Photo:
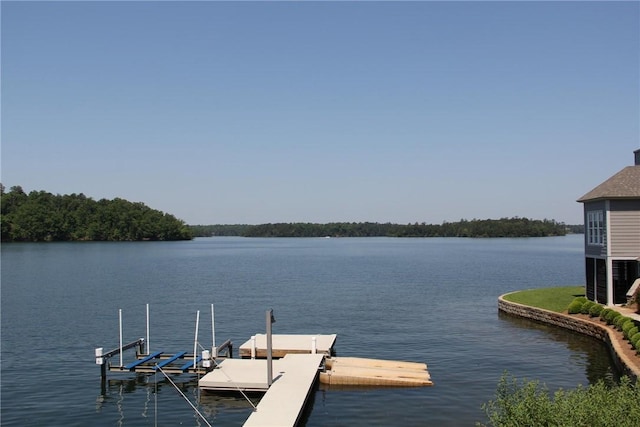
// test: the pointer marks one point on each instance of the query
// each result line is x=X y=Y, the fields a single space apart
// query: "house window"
x=595 y=228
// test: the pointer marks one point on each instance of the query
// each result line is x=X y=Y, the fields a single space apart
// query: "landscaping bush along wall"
x=575 y=324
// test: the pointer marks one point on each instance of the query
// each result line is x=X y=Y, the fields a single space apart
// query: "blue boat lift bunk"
x=182 y=362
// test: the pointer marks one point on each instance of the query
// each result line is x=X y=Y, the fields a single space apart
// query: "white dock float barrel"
x=99 y=358
x=206 y=358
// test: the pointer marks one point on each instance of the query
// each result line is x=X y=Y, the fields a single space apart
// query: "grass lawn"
x=553 y=299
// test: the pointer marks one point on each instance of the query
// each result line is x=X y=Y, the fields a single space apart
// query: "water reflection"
x=586 y=351
x=209 y=404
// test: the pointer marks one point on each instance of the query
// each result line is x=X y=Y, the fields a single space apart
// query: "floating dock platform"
x=288 y=344
x=375 y=372
x=293 y=379
x=294 y=372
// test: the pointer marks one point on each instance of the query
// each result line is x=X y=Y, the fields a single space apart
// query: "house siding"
x=595 y=250
x=625 y=228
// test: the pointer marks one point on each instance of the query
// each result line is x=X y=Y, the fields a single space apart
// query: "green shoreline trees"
x=504 y=227
x=41 y=216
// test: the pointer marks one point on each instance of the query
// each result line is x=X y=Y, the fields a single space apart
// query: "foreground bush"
x=604 y=313
x=612 y=316
x=527 y=403
x=635 y=340
x=575 y=307
x=581 y=300
x=586 y=306
x=628 y=326
x=595 y=310
x=621 y=321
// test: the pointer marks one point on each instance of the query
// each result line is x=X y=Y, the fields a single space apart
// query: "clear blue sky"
x=254 y=112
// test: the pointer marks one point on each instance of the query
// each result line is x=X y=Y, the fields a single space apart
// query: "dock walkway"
x=282 y=405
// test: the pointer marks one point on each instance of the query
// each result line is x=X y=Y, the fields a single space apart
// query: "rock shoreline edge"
x=626 y=365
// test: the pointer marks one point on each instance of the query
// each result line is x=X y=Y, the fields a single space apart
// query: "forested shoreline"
x=504 y=227
x=40 y=216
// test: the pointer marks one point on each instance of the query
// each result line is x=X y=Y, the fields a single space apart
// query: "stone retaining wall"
x=582 y=326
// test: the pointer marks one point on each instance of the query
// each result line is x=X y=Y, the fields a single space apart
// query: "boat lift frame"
x=147 y=362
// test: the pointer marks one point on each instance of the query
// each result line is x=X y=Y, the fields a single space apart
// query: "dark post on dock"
x=270 y=321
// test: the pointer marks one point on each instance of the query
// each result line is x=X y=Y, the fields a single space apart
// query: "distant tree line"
x=575 y=229
x=504 y=227
x=219 y=230
x=42 y=216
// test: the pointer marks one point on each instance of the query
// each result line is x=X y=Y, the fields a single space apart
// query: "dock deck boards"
x=289 y=344
x=282 y=404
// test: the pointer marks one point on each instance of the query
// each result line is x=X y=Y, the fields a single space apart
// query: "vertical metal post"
x=253 y=347
x=269 y=348
x=195 y=341
x=214 y=348
x=148 y=346
x=120 y=327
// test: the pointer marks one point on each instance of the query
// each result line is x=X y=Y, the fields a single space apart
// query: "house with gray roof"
x=612 y=236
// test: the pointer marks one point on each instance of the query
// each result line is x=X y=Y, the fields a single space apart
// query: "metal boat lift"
x=182 y=362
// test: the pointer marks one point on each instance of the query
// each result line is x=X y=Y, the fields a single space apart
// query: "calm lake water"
x=427 y=300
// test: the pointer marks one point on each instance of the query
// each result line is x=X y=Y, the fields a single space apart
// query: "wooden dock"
x=375 y=372
x=289 y=344
x=282 y=405
x=284 y=367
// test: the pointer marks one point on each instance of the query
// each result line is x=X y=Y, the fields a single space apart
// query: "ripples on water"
x=429 y=300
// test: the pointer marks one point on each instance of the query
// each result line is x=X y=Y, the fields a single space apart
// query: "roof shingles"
x=623 y=185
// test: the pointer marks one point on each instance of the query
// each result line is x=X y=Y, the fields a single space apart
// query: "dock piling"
x=214 y=348
x=270 y=321
x=120 y=325
x=148 y=345
x=195 y=341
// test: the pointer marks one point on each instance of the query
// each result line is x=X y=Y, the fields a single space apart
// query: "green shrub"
x=635 y=340
x=612 y=316
x=595 y=310
x=604 y=313
x=527 y=403
x=586 y=306
x=582 y=300
x=631 y=332
x=620 y=321
x=575 y=307
x=627 y=326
